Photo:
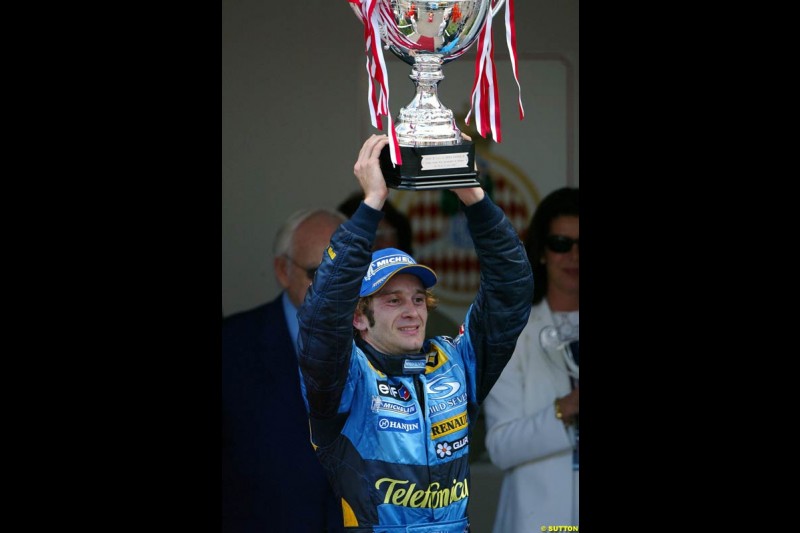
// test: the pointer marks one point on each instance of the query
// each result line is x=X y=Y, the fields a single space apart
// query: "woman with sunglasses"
x=532 y=411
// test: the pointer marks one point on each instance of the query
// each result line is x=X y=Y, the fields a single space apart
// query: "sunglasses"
x=560 y=244
x=309 y=271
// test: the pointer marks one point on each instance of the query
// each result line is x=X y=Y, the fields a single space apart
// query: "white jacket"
x=527 y=441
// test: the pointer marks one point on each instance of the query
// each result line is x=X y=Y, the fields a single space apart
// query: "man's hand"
x=470 y=195
x=368 y=171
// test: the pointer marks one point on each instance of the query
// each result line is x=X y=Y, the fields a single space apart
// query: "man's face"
x=310 y=240
x=400 y=316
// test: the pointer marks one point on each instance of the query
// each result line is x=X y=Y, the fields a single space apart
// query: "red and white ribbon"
x=511 y=41
x=485 y=99
x=376 y=69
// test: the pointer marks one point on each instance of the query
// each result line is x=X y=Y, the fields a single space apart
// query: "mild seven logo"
x=443 y=386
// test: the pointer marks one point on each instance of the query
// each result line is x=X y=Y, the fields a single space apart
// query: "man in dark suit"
x=271 y=479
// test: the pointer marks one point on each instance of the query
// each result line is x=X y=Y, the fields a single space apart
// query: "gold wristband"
x=559 y=414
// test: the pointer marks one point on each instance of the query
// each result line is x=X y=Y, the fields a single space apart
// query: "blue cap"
x=388 y=262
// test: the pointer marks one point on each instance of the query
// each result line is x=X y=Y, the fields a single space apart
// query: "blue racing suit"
x=393 y=431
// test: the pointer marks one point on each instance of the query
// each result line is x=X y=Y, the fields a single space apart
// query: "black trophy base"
x=431 y=167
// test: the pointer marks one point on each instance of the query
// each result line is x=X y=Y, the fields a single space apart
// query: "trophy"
x=556 y=347
x=426 y=149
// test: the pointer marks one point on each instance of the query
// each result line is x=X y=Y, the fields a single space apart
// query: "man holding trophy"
x=389 y=410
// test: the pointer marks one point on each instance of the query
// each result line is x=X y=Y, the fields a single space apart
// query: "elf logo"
x=398 y=392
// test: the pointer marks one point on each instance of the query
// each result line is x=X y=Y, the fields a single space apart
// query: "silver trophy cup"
x=426 y=35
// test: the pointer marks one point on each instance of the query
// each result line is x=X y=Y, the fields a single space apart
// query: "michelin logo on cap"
x=380 y=264
x=388 y=262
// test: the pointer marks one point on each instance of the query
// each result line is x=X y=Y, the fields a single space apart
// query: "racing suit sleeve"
x=325 y=338
x=501 y=307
